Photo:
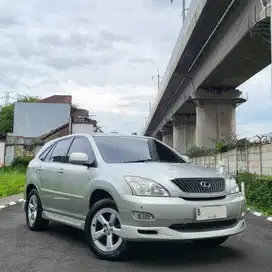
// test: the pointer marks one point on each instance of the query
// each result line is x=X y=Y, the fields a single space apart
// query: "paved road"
x=62 y=248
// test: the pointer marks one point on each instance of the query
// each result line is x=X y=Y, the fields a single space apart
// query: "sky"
x=104 y=53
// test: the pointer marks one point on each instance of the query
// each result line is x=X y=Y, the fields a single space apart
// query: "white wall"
x=255 y=159
x=36 y=119
x=2 y=153
x=82 y=128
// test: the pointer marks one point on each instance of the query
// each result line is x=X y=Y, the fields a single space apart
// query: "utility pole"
x=158 y=78
x=183 y=9
x=7 y=98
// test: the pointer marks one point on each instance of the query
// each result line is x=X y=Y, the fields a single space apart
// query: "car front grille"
x=200 y=185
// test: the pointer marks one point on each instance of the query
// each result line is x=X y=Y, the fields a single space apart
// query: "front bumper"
x=175 y=218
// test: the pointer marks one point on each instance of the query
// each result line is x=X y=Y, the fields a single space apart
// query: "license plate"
x=208 y=213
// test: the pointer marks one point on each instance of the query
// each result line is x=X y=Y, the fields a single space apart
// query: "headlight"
x=145 y=187
x=231 y=184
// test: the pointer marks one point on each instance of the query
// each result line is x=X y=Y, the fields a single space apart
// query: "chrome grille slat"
x=217 y=185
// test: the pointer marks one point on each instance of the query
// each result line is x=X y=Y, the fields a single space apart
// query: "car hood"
x=165 y=171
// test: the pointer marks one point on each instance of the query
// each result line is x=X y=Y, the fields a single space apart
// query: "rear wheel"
x=34 y=212
x=102 y=229
x=211 y=242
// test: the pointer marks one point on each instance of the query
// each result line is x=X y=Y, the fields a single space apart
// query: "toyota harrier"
x=122 y=188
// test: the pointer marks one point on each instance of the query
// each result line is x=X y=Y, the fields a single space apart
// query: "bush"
x=221 y=147
x=21 y=162
x=196 y=151
x=258 y=191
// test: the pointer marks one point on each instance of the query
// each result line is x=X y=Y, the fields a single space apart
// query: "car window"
x=44 y=154
x=81 y=145
x=60 y=150
x=49 y=154
x=134 y=149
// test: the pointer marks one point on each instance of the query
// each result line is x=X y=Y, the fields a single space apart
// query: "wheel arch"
x=29 y=188
x=99 y=194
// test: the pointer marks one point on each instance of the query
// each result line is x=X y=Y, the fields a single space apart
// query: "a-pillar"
x=184 y=132
x=215 y=115
x=167 y=136
x=159 y=136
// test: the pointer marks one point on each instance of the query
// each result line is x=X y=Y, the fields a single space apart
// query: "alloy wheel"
x=105 y=230
x=32 y=210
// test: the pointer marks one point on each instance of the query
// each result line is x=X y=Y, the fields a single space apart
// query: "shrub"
x=195 y=151
x=21 y=162
x=221 y=147
x=258 y=191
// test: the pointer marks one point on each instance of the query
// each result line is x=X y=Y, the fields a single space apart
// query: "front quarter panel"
x=114 y=186
x=32 y=178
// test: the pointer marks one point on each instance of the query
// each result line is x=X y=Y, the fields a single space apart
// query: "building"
x=52 y=117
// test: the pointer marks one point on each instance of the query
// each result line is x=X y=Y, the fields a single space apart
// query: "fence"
x=255 y=159
x=20 y=146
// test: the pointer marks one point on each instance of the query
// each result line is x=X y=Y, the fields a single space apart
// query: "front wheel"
x=211 y=242
x=34 y=212
x=102 y=229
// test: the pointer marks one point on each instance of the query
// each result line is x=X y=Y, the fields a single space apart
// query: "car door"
x=50 y=175
x=45 y=185
x=75 y=180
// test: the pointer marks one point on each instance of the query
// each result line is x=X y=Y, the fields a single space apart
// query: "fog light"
x=143 y=216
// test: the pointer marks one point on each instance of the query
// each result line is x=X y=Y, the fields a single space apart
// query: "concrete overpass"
x=221 y=45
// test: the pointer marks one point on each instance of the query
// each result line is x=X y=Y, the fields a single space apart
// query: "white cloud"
x=102 y=52
x=252 y=129
x=255 y=115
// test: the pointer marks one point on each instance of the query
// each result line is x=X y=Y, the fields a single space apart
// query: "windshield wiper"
x=143 y=160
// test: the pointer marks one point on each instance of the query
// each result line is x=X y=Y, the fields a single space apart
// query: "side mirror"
x=79 y=158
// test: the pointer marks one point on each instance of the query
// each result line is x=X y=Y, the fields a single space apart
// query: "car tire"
x=34 y=211
x=211 y=242
x=114 y=250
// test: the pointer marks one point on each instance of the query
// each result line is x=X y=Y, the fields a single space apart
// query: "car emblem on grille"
x=205 y=184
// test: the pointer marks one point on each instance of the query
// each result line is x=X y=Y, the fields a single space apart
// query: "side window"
x=44 y=154
x=49 y=154
x=60 y=150
x=166 y=154
x=81 y=145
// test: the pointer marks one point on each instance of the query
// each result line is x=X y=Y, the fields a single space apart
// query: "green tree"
x=7 y=113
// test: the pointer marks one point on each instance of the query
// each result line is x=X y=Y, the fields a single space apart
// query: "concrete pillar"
x=184 y=132
x=215 y=115
x=167 y=136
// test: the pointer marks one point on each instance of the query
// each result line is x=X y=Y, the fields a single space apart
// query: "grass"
x=12 y=181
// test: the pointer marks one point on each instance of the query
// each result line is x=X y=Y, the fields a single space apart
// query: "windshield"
x=134 y=149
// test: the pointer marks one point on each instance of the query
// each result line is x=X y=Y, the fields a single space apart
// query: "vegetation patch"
x=12 y=181
x=222 y=146
x=258 y=191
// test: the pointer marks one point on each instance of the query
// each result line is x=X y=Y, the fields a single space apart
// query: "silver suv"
x=121 y=188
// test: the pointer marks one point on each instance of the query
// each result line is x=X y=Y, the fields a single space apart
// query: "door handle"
x=61 y=171
x=39 y=169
